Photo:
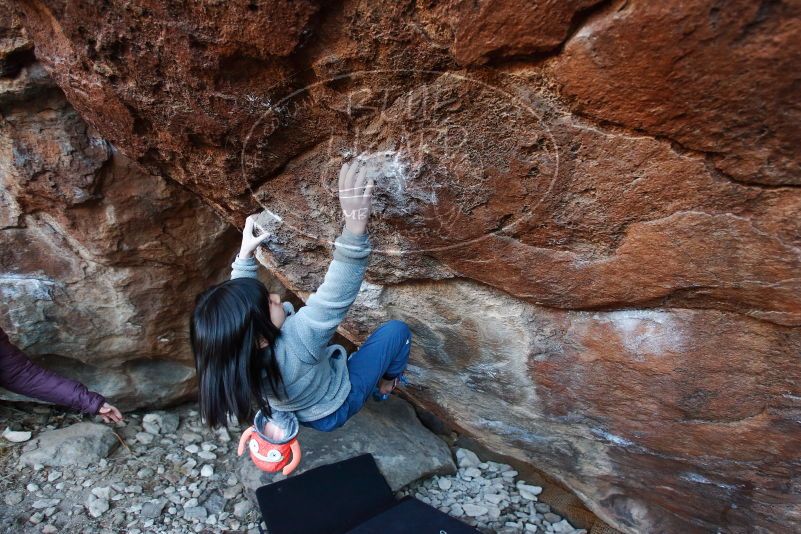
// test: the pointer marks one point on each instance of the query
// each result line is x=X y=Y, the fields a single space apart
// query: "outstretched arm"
x=21 y=375
x=315 y=323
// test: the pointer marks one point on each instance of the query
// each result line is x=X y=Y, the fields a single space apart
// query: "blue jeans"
x=383 y=354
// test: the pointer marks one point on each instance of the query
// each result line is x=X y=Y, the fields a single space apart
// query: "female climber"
x=252 y=350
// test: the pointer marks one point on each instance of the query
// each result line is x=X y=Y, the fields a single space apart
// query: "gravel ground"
x=487 y=496
x=172 y=475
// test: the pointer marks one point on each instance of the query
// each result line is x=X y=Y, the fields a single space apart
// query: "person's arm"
x=21 y=375
x=315 y=323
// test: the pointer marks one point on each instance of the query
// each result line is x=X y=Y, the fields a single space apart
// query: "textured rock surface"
x=100 y=260
x=81 y=444
x=590 y=218
x=403 y=448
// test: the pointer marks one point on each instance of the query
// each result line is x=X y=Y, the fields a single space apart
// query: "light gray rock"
x=80 y=444
x=242 y=508
x=145 y=438
x=232 y=491
x=145 y=472
x=41 y=504
x=191 y=437
x=474 y=510
x=215 y=503
x=151 y=422
x=102 y=492
x=528 y=492
x=13 y=498
x=542 y=508
x=562 y=527
x=96 y=506
x=153 y=509
x=472 y=472
x=404 y=449
x=551 y=517
x=466 y=458
x=197 y=513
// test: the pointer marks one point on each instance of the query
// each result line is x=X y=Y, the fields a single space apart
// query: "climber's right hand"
x=355 y=194
x=250 y=241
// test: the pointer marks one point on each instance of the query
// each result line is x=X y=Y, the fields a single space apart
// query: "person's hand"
x=109 y=413
x=355 y=194
x=250 y=241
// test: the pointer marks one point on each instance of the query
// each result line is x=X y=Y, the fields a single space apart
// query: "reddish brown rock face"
x=588 y=211
x=100 y=260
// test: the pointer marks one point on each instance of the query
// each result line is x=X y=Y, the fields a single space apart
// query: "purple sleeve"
x=21 y=375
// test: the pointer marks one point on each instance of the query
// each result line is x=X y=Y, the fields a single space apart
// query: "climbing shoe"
x=377 y=395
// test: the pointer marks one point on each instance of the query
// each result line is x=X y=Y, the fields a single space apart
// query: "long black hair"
x=229 y=321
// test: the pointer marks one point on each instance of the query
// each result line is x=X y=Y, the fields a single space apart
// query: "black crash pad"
x=330 y=499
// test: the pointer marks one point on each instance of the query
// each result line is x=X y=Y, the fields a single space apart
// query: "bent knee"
x=399 y=327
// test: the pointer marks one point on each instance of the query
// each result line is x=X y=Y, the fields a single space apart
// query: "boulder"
x=100 y=260
x=588 y=213
x=81 y=444
x=403 y=448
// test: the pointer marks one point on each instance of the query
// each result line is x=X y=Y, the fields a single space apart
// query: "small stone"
x=102 y=493
x=31 y=487
x=222 y=435
x=206 y=455
x=215 y=504
x=206 y=446
x=153 y=509
x=49 y=529
x=466 y=458
x=192 y=448
x=542 y=508
x=145 y=473
x=151 y=422
x=41 y=504
x=206 y=471
x=13 y=498
x=457 y=510
x=144 y=438
x=494 y=498
x=18 y=436
x=562 y=527
x=528 y=492
x=242 y=508
x=36 y=518
x=96 y=507
x=444 y=484
x=472 y=472
x=531 y=528
x=474 y=510
x=197 y=513
x=53 y=476
x=551 y=517
x=133 y=489
x=232 y=491
x=191 y=437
